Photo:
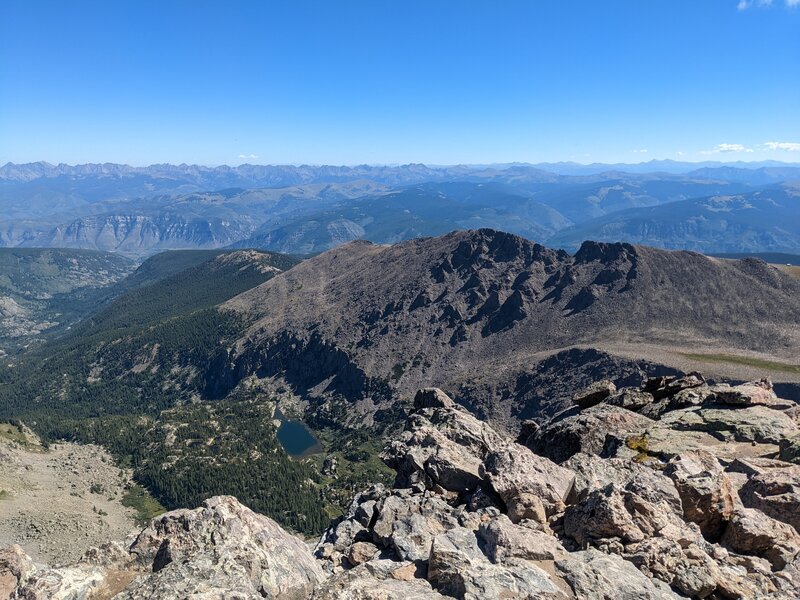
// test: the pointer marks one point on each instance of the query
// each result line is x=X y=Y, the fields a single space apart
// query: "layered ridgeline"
x=670 y=489
x=757 y=221
x=189 y=379
x=141 y=211
x=42 y=292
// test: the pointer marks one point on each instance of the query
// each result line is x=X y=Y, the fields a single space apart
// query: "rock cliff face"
x=671 y=489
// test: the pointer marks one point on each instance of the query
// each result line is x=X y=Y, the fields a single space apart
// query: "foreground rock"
x=639 y=507
x=221 y=550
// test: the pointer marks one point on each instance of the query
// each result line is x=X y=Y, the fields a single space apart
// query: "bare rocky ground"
x=59 y=502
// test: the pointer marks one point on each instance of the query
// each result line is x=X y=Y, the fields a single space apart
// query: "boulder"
x=630 y=398
x=15 y=568
x=749 y=394
x=756 y=465
x=592 y=574
x=685 y=567
x=750 y=424
x=775 y=492
x=752 y=532
x=602 y=515
x=407 y=524
x=594 y=393
x=74 y=581
x=586 y=431
x=663 y=442
x=361 y=552
x=593 y=472
x=691 y=396
x=458 y=568
x=531 y=486
x=432 y=398
x=502 y=540
x=706 y=493
x=624 y=516
x=377 y=580
x=223 y=546
x=441 y=448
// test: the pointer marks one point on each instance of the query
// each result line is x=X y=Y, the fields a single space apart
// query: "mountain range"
x=141 y=211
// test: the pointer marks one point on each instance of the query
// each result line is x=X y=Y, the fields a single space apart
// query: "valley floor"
x=57 y=503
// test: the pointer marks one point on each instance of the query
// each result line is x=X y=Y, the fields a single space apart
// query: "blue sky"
x=379 y=81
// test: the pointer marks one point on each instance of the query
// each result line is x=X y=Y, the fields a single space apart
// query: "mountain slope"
x=761 y=221
x=484 y=307
x=141 y=226
x=425 y=210
x=42 y=291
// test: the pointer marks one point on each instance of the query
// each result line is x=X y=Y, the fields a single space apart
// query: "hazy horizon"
x=428 y=165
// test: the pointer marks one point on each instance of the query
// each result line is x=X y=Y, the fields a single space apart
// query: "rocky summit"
x=676 y=488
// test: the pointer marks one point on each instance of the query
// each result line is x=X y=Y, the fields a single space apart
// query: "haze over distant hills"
x=137 y=211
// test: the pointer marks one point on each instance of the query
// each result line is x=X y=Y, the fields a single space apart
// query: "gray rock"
x=406 y=525
x=602 y=515
x=661 y=441
x=361 y=552
x=458 y=568
x=775 y=492
x=15 y=568
x=78 y=582
x=531 y=486
x=753 y=532
x=593 y=472
x=749 y=394
x=586 y=431
x=630 y=398
x=432 y=398
x=625 y=516
x=661 y=387
x=750 y=424
x=377 y=580
x=502 y=540
x=691 y=396
x=594 y=393
x=706 y=493
x=223 y=546
x=686 y=567
x=441 y=447
x=596 y=576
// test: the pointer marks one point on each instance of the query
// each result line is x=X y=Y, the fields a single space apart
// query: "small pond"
x=295 y=437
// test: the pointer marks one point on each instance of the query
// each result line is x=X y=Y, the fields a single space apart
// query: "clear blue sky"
x=379 y=81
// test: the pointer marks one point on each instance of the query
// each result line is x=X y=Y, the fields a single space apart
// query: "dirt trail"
x=57 y=503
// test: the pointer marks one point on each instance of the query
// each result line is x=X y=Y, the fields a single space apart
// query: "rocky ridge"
x=676 y=488
x=481 y=314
